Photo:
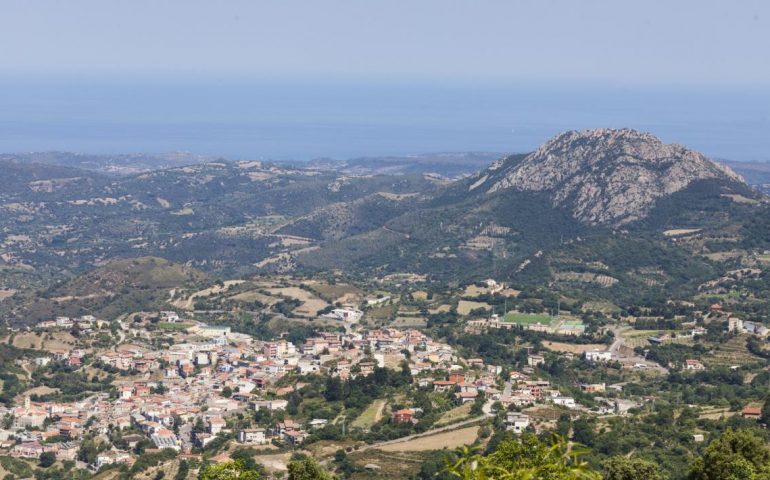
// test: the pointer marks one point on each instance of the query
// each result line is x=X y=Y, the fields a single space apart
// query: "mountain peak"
x=606 y=176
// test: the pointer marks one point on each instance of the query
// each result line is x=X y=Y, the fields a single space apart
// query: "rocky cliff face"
x=604 y=176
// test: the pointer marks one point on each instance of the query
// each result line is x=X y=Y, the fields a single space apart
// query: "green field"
x=173 y=326
x=527 y=319
x=369 y=416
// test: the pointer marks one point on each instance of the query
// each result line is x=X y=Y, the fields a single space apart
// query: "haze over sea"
x=312 y=118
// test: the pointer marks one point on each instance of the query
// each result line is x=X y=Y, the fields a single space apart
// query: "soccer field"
x=528 y=319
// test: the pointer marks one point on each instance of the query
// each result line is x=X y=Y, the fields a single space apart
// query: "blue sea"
x=306 y=118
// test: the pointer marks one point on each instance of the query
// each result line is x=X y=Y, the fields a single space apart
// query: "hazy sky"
x=695 y=42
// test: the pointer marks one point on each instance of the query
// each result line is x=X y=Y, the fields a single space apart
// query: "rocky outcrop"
x=605 y=176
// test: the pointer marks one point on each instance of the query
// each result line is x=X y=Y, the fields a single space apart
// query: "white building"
x=516 y=422
x=598 y=355
x=254 y=436
x=568 y=402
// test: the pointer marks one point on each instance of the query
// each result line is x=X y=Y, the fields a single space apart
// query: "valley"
x=156 y=324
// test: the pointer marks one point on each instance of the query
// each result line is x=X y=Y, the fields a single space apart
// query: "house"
x=516 y=422
x=593 y=387
x=318 y=423
x=201 y=439
x=165 y=439
x=752 y=412
x=467 y=396
x=692 y=364
x=734 y=324
x=405 y=415
x=346 y=314
x=272 y=405
x=28 y=450
x=535 y=360
x=598 y=355
x=755 y=328
x=111 y=457
x=568 y=402
x=443 y=385
x=254 y=436
x=216 y=425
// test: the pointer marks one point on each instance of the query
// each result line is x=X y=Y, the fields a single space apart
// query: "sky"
x=651 y=42
x=301 y=79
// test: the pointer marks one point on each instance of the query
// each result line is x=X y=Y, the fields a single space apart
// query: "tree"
x=766 y=412
x=333 y=390
x=622 y=468
x=308 y=469
x=583 y=431
x=227 y=392
x=735 y=455
x=234 y=470
x=47 y=459
x=246 y=457
x=524 y=458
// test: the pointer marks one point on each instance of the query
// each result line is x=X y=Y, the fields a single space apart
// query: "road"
x=615 y=350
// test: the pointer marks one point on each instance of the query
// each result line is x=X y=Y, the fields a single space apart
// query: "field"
x=527 y=319
x=680 y=231
x=449 y=440
x=339 y=292
x=389 y=465
x=464 y=307
x=415 y=322
x=59 y=340
x=732 y=352
x=189 y=302
x=454 y=415
x=252 y=296
x=173 y=326
x=605 y=307
x=310 y=303
x=371 y=415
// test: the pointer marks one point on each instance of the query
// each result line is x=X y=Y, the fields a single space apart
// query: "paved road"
x=508 y=390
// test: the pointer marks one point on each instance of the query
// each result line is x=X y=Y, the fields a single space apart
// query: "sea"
x=303 y=118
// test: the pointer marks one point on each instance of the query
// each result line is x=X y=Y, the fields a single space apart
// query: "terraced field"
x=732 y=352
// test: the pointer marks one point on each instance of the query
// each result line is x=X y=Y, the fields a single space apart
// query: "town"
x=130 y=394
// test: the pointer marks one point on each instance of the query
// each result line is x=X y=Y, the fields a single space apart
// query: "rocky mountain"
x=604 y=176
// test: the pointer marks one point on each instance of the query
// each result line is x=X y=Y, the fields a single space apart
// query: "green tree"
x=735 y=455
x=234 y=470
x=525 y=458
x=766 y=412
x=47 y=459
x=308 y=469
x=622 y=468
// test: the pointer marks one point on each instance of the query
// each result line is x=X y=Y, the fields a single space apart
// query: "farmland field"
x=371 y=415
x=464 y=307
x=450 y=439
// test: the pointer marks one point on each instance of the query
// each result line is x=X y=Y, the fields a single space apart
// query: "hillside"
x=116 y=288
x=615 y=209
x=553 y=217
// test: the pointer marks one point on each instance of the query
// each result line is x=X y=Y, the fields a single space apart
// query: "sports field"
x=528 y=319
